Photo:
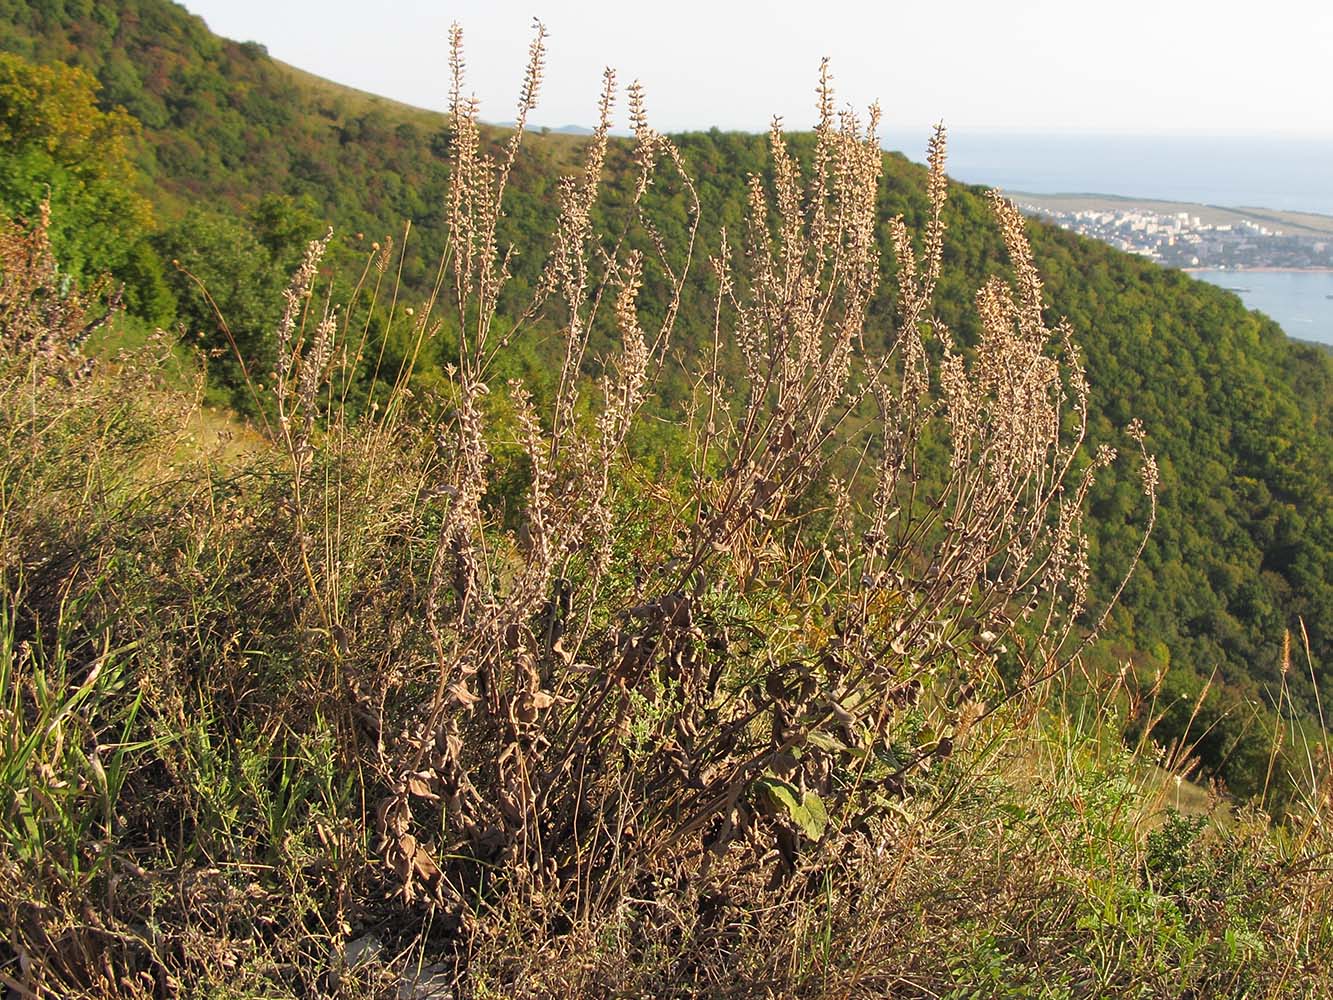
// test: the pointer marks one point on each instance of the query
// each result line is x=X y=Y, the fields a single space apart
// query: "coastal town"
x=1190 y=239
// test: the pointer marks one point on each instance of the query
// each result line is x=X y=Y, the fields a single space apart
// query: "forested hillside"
x=243 y=159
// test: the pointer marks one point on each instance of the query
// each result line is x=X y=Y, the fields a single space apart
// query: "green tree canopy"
x=56 y=142
x=228 y=290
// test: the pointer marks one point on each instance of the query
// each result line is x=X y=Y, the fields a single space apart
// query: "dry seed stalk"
x=549 y=741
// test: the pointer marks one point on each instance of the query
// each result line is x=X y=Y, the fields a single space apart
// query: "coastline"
x=1300 y=300
x=1262 y=270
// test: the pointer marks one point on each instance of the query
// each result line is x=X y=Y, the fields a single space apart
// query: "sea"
x=1300 y=301
x=1233 y=171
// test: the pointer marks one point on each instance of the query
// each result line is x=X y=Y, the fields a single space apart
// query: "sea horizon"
x=1283 y=173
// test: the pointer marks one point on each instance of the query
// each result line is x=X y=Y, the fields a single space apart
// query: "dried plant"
x=42 y=312
x=578 y=732
x=486 y=647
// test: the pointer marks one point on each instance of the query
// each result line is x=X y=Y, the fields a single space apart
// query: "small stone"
x=364 y=949
x=430 y=982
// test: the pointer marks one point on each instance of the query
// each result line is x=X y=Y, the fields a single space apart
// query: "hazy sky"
x=1038 y=65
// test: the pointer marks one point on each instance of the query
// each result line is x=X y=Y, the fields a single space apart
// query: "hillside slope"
x=1238 y=414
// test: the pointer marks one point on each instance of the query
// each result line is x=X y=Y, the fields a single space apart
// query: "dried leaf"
x=558 y=648
x=459 y=693
x=420 y=787
x=525 y=708
x=542 y=700
x=425 y=865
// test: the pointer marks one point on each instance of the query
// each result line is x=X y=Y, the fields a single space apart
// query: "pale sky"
x=1139 y=66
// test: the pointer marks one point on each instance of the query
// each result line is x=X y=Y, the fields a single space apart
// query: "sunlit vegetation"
x=716 y=563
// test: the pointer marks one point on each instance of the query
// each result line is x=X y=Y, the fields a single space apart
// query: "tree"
x=225 y=283
x=54 y=140
x=284 y=225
